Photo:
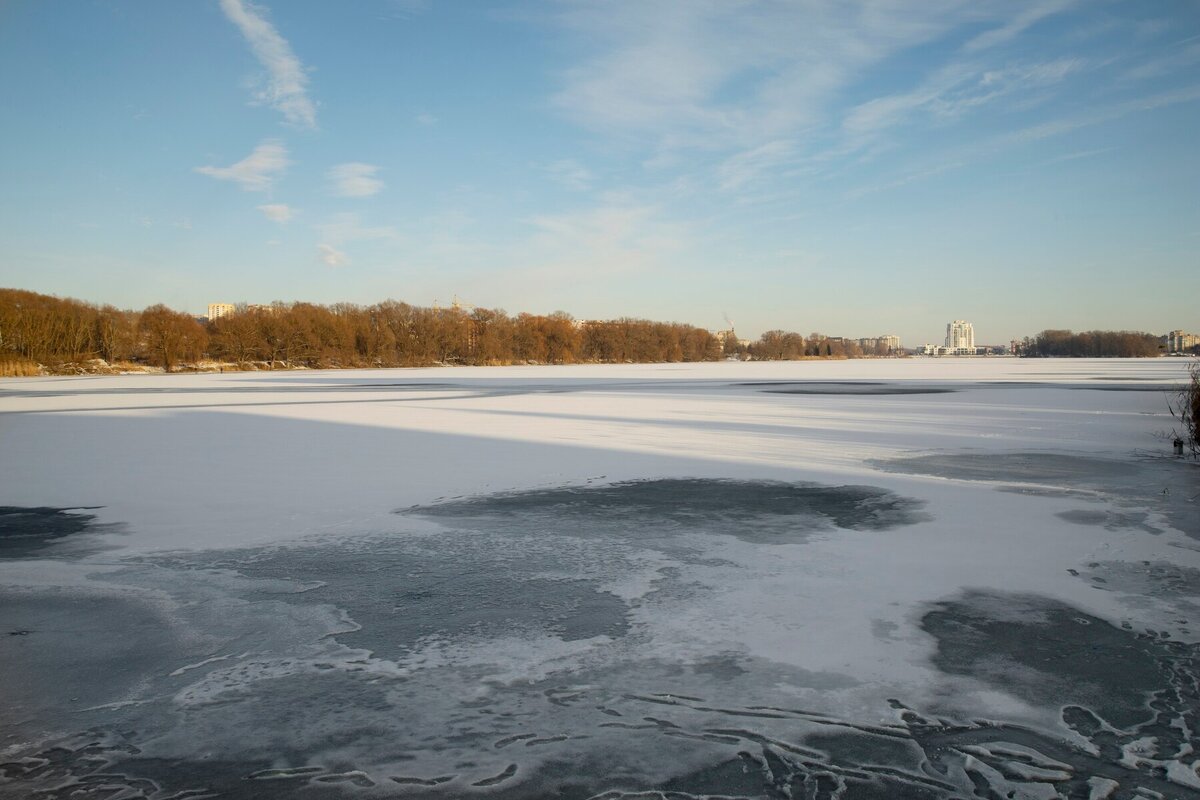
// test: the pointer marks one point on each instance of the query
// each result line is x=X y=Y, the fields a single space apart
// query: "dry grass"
x=17 y=367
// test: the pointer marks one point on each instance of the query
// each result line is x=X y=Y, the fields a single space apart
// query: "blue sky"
x=855 y=168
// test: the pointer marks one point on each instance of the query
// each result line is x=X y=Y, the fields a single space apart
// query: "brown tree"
x=170 y=336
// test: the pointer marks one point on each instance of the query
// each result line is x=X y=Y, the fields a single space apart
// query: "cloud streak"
x=331 y=256
x=959 y=157
x=287 y=82
x=711 y=74
x=953 y=91
x=344 y=228
x=277 y=212
x=612 y=237
x=257 y=171
x=749 y=165
x=571 y=174
x=1018 y=24
x=355 y=179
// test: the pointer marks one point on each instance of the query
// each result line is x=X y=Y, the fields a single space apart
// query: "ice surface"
x=895 y=578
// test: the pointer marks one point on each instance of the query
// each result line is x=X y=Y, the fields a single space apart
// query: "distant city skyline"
x=854 y=168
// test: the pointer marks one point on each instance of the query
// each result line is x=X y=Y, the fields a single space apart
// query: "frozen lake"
x=860 y=579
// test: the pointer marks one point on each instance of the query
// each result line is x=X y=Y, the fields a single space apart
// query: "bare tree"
x=170 y=336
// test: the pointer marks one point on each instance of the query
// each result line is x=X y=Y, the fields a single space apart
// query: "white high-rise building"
x=218 y=310
x=1180 y=342
x=960 y=335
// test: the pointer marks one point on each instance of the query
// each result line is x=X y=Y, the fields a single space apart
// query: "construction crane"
x=456 y=304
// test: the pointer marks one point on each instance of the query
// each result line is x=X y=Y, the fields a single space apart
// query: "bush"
x=1186 y=409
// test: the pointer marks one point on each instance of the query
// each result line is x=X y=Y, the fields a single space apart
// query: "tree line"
x=780 y=345
x=58 y=332
x=1090 y=344
x=54 y=331
x=396 y=334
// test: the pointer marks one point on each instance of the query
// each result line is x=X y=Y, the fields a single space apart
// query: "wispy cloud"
x=407 y=9
x=712 y=74
x=331 y=256
x=277 y=212
x=425 y=118
x=570 y=173
x=748 y=165
x=989 y=147
x=1018 y=24
x=1076 y=156
x=342 y=228
x=287 y=82
x=760 y=83
x=355 y=179
x=614 y=236
x=1181 y=56
x=954 y=90
x=257 y=171
x=1057 y=127
x=904 y=180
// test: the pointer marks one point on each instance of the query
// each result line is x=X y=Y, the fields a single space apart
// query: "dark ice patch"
x=733 y=777
x=87 y=648
x=1083 y=516
x=865 y=391
x=308 y=713
x=95 y=771
x=483 y=605
x=1119 y=388
x=26 y=532
x=1046 y=491
x=1151 y=578
x=870 y=388
x=1046 y=653
x=399 y=593
x=862 y=748
x=758 y=511
x=1165 y=486
x=1052 y=468
x=1120 y=378
x=1110 y=520
x=723 y=667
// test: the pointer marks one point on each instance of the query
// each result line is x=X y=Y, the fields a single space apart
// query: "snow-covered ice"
x=876 y=578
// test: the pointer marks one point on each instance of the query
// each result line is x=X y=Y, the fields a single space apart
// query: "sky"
x=850 y=167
